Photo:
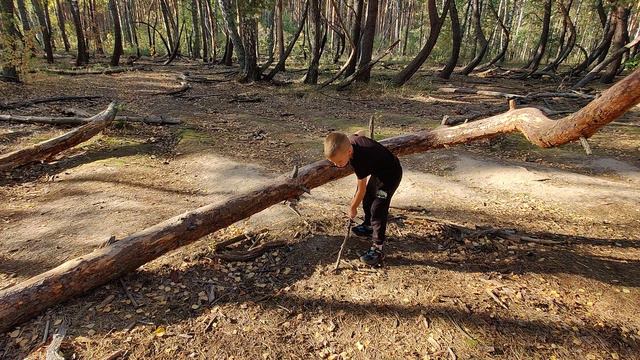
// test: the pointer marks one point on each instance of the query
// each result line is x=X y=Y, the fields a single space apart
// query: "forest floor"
x=448 y=289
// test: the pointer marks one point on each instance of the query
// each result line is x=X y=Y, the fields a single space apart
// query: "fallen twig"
x=114 y=355
x=489 y=292
x=126 y=291
x=344 y=242
x=250 y=254
x=52 y=349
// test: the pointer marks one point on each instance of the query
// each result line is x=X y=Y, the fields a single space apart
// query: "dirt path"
x=577 y=299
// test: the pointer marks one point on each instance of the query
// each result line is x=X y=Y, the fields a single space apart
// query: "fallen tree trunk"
x=532 y=96
x=74 y=277
x=152 y=119
x=108 y=71
x=46 y=149
x=19 y=104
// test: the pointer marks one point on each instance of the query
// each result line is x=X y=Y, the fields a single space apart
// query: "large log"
x=75 y=120
x=46 y=149
x=77 y=276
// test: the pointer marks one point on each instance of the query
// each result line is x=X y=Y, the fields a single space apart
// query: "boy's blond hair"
x=335 y=142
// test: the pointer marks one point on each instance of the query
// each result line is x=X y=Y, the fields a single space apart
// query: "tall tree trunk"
x=435 y=25
x=228 y=52
x=311 y=76
x=95 y=30
x=195 y=29
x=213 y=28
x=482 y=40
x=355 y=35
x=83 y=57
x=168 y=25
x=61 y=25
x=407 y=26
x=504 y=41
x=544 y=37
x=202 y=12
x=47 y=19
x=44 y=29
x=456 y=37
x=228 y=9
x=620 y=36
x=8 y=27
x=280 y=31
x=368 y=35
x=117 y=33
x=281 y=61
x=251 y=71
x=24 y=16
x=131 y=16
x=270 y=21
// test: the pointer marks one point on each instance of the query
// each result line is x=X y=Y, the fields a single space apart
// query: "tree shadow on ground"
x=168 y=296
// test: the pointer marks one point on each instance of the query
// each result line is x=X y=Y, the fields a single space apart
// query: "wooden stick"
x=344 y=242
x=126 y=291
x=371 y=127
x=489 y=292
x=52 y=349
x=250 y=254
x=585 y=145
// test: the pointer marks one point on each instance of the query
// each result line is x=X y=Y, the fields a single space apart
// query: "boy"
x=367 y=157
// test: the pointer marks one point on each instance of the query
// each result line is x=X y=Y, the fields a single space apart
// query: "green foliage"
x=633 y=64
x=253 y=8
x=15 y=53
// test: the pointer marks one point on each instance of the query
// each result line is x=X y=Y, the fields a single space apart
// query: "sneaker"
x=362 y=230
x=372 y=257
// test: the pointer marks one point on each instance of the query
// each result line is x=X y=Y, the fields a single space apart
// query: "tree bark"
x=368 y=35
x=355 y=36
x=544 y=37
x=77 y=276
x=117 y=31
x=251 y=71
x=228 y=8
x=482 y=40
x=82 y=57
x=456 y=37
x=620 y=36
x=281 y=61
x=612 y=58
x=195 y=29
x=44 y=29
x=435 y=22
x=8 y=26
x=280 y=31
x=61 y=25
x=47 y=149
x=24 y=16
x=311 y=76
x=505 y=42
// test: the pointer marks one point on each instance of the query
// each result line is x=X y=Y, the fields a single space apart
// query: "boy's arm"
x=357 y=198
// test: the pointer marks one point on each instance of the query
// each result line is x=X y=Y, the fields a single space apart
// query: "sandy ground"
x=575 y=300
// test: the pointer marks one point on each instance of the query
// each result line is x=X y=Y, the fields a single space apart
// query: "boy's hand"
x=353 y=211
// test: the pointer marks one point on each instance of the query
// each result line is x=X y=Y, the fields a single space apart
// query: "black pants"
x=376 y=203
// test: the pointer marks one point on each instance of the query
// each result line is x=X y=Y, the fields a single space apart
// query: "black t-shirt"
x=372 y=158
